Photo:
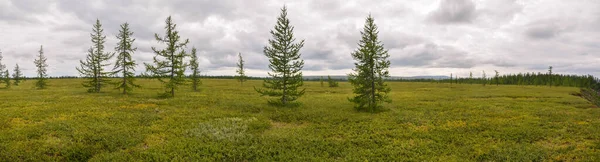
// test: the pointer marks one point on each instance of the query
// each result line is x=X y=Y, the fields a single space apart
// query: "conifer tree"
x=483 y=78
x=321 y=81
x=195 y=70
x=168 y=64
x=332 y=83
x=497 y=77
x=6 y=78
x=241 y=77
x=17 y=75
x=550 y=75
x=93 y=67
x=370 y=71
x=41 y=65
x=284 y=57
x=451 y=79
x=3 y=70
x=125 y=65
x=470 y=77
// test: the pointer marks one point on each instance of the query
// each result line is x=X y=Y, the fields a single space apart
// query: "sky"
x=424 y=37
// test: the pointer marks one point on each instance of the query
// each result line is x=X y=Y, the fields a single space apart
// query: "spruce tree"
x=371 y=70
x=17 y=75
x=168 y=64
x=93 y=67
x=284 y=57
x=194 y=66
x=41 y=65
x=241 y=77
x=125 y=65
x=332 y=83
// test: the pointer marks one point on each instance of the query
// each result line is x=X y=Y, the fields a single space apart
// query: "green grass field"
x=227 y=122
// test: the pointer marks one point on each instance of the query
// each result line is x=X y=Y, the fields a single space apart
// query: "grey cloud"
x=545 y=29
x=454 y=11
x=431 y=55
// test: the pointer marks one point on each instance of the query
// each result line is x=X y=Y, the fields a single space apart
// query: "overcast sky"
x=424 y=37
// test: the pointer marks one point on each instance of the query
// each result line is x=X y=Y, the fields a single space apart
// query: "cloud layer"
x=431 y=37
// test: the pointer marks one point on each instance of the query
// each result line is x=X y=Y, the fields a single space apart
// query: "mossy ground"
x=228 y=122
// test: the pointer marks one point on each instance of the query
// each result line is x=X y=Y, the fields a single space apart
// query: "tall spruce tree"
x=17 y=75
x=371 y=70
x=93 y=67
x=169 y=66
x=194 y=66
x=125 y=65
x=285 y=62
x=41 y=65
x=241 y=77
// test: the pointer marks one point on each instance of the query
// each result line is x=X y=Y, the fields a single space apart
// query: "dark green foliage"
x=93 y=67
x=332 y=83
x=371 y=70
x=285 y=62
x=195 y=77
x=241 y=77
x=125 y=65
x=169 y=66
x=17 y=75
x=41 y=65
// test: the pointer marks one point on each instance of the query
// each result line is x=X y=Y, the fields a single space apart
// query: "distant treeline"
x=537 y=79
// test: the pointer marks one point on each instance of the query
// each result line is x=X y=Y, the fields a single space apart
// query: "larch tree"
x=497 y=77
x=169 y=65
x=41 y=65
x=284 y=57
x=194 y=66
x=6 y=78
x=371 y=69
x=470 y=77
x=550 y=76
x=17 y=75
x=241 y=77
x=483 y=78
x=93 y=66
x=125 y=65
x=321 y=80
x=4 y=73
x=332 y=82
